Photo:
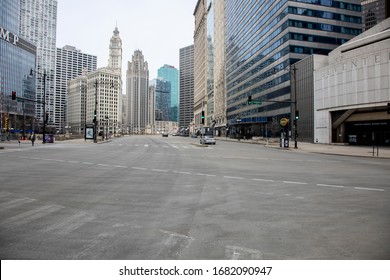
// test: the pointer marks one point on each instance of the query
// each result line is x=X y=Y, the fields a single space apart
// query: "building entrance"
x=368 y=133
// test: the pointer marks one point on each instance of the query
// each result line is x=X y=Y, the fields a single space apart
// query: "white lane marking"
x=139 y=168
x=300 y=197
x=106 y=165
x=235 y=253
x=232 y=177
x=15 y=203
x=32 y=215
x=297 y=183
x=120 y=166
x=89 y=163
x=70 y=224
x=146 y=145
x=263 y=180
x=182 y=172
x=3 y=194
x=370 y=189
x=159 y=170
x=332 y=186
x=185 y=147
x=72 y=161
x=208 y=175
x=173 y=146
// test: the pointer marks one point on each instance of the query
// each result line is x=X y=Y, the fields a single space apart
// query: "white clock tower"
x=115 y=56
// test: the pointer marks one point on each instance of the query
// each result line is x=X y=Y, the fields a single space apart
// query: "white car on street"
x=207 y=139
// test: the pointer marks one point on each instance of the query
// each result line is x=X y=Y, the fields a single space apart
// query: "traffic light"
x=388 y=108
x=46 y=118
x=14 y=95
x=250 y=99
x=94 y=116
x=202 y=117
x=297 y=115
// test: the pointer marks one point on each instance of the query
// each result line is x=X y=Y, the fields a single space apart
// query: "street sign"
x=283 y=121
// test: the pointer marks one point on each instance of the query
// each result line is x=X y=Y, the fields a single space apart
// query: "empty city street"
x=153 y=197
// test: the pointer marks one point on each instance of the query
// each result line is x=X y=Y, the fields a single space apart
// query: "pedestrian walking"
x=32 y=139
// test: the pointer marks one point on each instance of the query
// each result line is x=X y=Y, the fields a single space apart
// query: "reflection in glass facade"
x=17 y=58
x=163 y=99
x=171 y=74
x=263 y=38
x=38 y=24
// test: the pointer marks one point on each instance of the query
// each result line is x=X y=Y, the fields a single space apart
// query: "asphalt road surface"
x=149 y=198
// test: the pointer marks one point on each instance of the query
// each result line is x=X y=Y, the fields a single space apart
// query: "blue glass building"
x=263 y=40
x=171 y=74
x=17 y=59
x=163 y=99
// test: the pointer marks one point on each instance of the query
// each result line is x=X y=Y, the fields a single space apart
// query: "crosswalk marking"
x=15 y=203
x=70 y=224
x=32 y=215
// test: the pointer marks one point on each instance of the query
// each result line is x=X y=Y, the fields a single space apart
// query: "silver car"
x=207 y=139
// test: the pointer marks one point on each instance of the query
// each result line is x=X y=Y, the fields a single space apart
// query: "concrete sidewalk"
x=334 y=149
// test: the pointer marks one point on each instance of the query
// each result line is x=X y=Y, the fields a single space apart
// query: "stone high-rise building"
x=186 y=76
x=137 y=83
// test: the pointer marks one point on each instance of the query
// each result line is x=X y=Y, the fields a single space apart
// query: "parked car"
x=207 y=139
x=165 y=134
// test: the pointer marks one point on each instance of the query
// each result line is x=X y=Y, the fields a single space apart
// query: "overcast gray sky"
x=159 y=28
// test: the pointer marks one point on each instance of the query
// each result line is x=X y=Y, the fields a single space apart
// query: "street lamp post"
x=295 y=121
x=95 y=113
x=44 y=116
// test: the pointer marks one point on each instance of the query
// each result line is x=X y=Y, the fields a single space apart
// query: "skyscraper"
x=374 y=11
x=200 y=62
x=70 y=63
x=163 y=99
x=186 y=69
x=17 y=58
x=38 y=24
x=101 y=92
x=263 y=38
x=137 y=83
x=171 y=74
x=115 y=55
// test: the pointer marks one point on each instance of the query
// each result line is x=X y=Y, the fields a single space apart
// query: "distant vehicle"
x=165 y=134
x=207 y=139
x=193 y=135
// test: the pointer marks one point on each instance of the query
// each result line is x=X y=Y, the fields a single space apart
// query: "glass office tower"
x=171 y=74
x=38 y=24
x=17 y=58
x=263 y=40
